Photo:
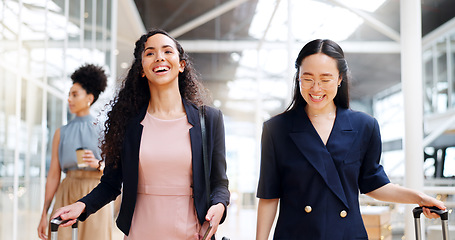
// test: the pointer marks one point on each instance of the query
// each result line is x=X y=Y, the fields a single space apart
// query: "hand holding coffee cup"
x=80 y=157
x=85 y=158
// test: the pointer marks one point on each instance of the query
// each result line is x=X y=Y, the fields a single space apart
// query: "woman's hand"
x=214 y=215
x=70 y=212
x=429 y=201
x=90 y=159
x=43 y=226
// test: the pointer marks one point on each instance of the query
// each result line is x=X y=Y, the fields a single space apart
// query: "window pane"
x=428 y=82
x=89 y=19
x=449 y=164
x=30 y=150
x=75 y=25
x=442 y=84
x=452 y=67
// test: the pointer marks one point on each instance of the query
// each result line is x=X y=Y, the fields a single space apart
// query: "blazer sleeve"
x=269 y=179
x=218 y=179
x=106 y=191
x=372 y=175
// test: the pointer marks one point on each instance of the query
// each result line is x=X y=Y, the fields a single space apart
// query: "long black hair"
x=333 y=50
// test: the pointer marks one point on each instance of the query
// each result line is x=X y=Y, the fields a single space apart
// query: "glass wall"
x=41 y=43
x=451 y=71
x=439 y=72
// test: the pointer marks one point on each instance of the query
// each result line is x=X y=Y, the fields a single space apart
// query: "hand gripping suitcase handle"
x=56 y=222
x=444 y=214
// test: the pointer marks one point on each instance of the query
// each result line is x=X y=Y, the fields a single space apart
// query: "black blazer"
x=318 y=185
x=127 y=171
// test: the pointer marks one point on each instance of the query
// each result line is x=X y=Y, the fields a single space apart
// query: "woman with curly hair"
x=88 y=82
x=153 y=147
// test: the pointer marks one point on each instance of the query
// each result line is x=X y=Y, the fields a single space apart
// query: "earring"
x=88 y=104
x=339 y=85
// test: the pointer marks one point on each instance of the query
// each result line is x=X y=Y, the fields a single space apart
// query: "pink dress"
x=165 y=206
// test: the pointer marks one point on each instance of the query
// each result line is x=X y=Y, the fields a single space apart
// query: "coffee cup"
x=80 y=161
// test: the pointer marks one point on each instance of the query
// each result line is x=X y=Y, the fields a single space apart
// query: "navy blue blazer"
x=127 y=171
x=318 y=185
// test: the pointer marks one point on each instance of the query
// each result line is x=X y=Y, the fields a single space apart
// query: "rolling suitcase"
x=55 y=223
x=444 y=214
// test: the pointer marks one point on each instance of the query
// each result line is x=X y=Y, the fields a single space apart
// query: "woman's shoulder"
x=212 y=111
x=66 y=126
x=212 y=114
x=359 y=118
x=357 y=114
x=281 y=118
x=208 y=110
x=280 y=123
x=86 y=124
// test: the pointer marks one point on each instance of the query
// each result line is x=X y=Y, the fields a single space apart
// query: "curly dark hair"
x=134 y=94
x=92 y=79
x=333 y=50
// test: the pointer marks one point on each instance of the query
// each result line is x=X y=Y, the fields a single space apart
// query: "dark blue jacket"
x=127 y=171
x=318 y=185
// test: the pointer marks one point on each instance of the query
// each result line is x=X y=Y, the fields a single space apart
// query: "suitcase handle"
x=55 y=223
x=444 y=214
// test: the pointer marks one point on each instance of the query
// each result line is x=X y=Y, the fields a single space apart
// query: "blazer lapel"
x=196 y=145
x=192 y=113
x=311 y=146
x=131 y=145
x=342 y=136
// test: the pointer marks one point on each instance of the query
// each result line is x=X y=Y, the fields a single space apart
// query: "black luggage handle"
x=56 y=222
x=443 y=214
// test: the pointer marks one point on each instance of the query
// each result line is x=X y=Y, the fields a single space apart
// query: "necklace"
x=328 y=114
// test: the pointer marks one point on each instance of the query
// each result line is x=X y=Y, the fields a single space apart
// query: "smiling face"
x=78 y=100
x=160 y=61
x=322 y=70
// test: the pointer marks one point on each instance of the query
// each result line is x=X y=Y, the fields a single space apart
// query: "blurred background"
x=244 y=51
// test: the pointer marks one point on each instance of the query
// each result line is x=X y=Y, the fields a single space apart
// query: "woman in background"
x=81 y=132
x=319 y=154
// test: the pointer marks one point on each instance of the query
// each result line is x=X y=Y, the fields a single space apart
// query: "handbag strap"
x=204 y=153
x=205 y=158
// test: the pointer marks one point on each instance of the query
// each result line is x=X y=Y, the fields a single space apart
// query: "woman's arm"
x=374 y=183
x=218 y=179
x=52 y=183
x=394 y=193
x=266 y=215
x=106 y=191
x=269 y=185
